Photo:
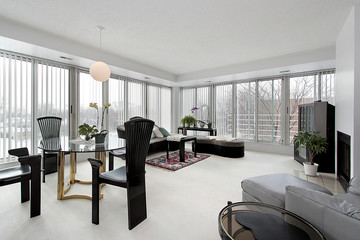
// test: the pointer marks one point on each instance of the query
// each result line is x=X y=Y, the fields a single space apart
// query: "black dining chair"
x=29 y=169
x=131 y=176
x=120 y=153
x=49 y=127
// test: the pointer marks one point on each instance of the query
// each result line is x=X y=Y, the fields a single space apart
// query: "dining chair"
x=120 y=153
x=49 y=127
x=29 y=169
x=131 y=176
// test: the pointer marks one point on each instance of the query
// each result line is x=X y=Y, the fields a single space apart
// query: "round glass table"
x=73 y=147
x=252 y=220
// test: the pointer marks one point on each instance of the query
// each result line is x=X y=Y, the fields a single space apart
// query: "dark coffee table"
x=270 y=222
x=181 y=146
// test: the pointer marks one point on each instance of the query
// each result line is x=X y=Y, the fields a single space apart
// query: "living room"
x=165 y=59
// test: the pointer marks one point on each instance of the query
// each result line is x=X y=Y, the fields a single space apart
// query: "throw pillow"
x=164 y=132
x=152 y=135
x=157 y=132
x=354 y=186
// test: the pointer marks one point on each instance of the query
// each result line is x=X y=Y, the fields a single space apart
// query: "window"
x=15 y=104
x=136 y=99
x=153 y=104
x=269 y=110
x=302 y=90
x=165 y=108
x=245 y=110
x=188 y=101
x=117 y=101
x=328 y=87
x=53 y=95
x=90 y=91
x=223 y=112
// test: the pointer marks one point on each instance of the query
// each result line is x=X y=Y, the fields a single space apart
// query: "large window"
x=269 y=110
x=159 y=105
x=264 y=110
x=245 y=110
x=302 y=90
x=224 y=106
x=117 y=101
x=15 y=103
x=53 y=95
x=90 y=91
x=136 y=99
x=165 y=108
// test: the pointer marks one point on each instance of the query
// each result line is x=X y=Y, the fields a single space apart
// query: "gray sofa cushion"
x=354 y=186
x=233 y=143
x=271 y=188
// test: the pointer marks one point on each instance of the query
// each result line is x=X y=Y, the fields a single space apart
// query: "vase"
x=202 y=124
x=100 y=138
x=310 y=170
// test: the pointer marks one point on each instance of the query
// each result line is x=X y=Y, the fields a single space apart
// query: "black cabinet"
x=318 y=117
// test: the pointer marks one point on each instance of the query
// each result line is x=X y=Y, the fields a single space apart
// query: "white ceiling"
x=188 y=36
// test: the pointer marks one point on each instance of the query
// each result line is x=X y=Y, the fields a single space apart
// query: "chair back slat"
x=138 y=133
x=49 y=126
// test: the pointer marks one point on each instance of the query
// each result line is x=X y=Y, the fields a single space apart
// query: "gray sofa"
x=157 y=144
x=336 y=217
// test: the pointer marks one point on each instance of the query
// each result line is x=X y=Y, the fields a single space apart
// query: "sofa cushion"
x=336 y=203
x=354 y=186
x=164 y=132
x=271 y=188
x=157 y=132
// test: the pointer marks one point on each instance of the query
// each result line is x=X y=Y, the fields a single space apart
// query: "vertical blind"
x=136 y=99
x=16 y=111
x=53 y=95
x=117 y=101
x=224 y=109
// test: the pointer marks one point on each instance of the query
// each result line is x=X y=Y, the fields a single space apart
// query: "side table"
x=287 y=223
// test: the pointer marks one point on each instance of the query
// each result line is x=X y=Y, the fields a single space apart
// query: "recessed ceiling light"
x=66 y=58
x=284 y=71
x=208 y=81
x=147 y=78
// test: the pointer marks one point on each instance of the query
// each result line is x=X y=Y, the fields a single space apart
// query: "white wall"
x=347 y=118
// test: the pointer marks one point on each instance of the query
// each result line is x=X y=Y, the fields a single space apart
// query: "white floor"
x=181 y=205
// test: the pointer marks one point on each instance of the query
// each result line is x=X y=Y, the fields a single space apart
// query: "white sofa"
x=336 y=217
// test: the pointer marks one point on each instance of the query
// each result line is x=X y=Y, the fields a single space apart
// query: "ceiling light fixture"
x=99 y=70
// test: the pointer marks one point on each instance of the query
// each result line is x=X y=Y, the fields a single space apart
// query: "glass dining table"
x=73 y=147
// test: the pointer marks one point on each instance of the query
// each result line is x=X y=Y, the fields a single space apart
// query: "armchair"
x=29 y=169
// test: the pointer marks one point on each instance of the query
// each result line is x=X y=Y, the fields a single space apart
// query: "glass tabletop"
x=230 y=227
x=80 y=145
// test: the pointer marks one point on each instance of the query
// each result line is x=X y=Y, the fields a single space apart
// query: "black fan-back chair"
x=120 y=153
x=49 y=127
x=131 y=176
x=29 y=169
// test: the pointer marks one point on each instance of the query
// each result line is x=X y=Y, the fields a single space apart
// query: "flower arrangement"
x=105 y=107
x=92 y=131
x=194 y=109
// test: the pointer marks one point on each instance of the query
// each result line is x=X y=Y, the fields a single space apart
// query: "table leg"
x=167 y=150
x=72 y=167
x=60 y=169
x=182 y=151
x=194 y=148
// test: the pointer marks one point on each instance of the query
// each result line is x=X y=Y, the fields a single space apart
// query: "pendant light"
x=99 y=70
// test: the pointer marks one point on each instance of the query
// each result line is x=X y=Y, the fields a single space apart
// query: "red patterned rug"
x=173 y=163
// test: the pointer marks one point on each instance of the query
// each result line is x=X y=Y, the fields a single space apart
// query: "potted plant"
x=87 y=131
x=314 y=144
x=188 y=121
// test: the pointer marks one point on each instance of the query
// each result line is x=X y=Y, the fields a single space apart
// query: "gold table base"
x=61 y=191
